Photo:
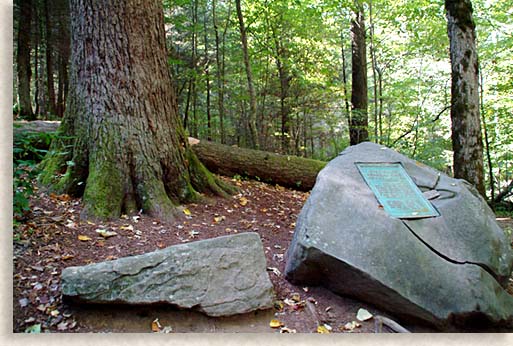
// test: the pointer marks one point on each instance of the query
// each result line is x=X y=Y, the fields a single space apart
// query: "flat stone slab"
x=220 y=277
x=442 y=270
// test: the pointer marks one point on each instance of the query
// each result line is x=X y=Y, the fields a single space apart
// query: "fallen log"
x=286 y=170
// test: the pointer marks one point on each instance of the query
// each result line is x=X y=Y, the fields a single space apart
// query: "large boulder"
x=442 y=270
x=220 y=276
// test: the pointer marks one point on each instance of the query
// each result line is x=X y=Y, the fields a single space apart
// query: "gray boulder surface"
x=220 y=277
x=442 y=270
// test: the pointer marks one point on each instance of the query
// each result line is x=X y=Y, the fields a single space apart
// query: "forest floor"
x=53 y=237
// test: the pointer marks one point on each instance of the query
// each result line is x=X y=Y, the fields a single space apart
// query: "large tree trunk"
x=358 y=126
x=289 y=171
x=251 y=117
x=23 y=59
x=467 y=141
x=128 y=150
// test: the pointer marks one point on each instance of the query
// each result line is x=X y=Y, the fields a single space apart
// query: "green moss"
x=50 y=167
x=103 y=195
x=203 y=180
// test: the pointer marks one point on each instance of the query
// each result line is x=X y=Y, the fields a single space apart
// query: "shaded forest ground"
x=52 y=237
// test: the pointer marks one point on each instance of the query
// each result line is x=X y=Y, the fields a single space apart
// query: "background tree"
x=358 y=131
x=24 y=11
x=467 y=139
x=128 y=148
x=251 y=118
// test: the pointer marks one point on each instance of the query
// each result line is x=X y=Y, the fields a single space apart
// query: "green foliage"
x=26 y=155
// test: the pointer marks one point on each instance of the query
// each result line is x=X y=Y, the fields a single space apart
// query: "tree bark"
x=285 y=78
x=24 y=71
x=344 y=79
x=127 y=148
x=64 y=53
x=251 y=117
x=487 y=141
x=467 y=139
x=358 y=127
x=220 y=69
x=207 y=75
x=49 y=59
x=374 y=72
x=286 y=170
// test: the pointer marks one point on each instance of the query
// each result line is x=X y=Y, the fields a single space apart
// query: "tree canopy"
x=299 y=57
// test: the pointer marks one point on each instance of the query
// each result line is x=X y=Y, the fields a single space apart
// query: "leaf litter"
x=53 y=244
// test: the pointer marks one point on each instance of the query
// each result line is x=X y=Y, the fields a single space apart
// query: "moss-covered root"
x=203 y=180
x=109 y=193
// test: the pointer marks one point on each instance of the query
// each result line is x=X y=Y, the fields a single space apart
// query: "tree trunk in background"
x=128 y=150
x=64 y=53
x=220 y=69
x=374 y=72
x=344 y=79
x=358 y=127
x=23 y=59
x=285 y=79
x=207 y=77
x=487 y=140
x=467 y=141
x=49 y=59
x=251 y=117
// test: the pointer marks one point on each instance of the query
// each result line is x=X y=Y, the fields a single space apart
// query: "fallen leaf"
x=193 y=233
x=278 y=305
x=38 y=268
x=83 y=238
x=363 y=315
x=289 y=302
x=106 y=234
x=128 y=228
x=295 y=297
x=24 y=302
x=67 y=257
x=187 y=212
x=275 y=323
x=36 y=328
x=54 y=313
x=90 y=223
x=30 y=320
x=62 y=326
x=243 y=201
x=350 y=326
x=218 y=219
x=155 y=326
x=136 y=218
x=44 y=299
x=284 y=330
x=322 y=329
